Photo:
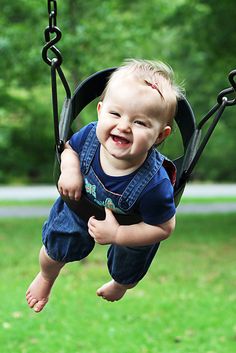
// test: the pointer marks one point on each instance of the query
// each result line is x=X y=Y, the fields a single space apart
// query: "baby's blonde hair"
x=152 y=73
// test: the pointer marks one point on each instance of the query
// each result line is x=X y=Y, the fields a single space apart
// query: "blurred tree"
x=196 y=37
x=207 y=34
x=22 y=71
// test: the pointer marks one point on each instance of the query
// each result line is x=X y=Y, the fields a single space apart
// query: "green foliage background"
x=197 y=38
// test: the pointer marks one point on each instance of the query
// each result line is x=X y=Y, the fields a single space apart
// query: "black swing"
x=91 y=88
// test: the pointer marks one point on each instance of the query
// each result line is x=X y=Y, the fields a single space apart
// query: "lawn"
x=186 y=303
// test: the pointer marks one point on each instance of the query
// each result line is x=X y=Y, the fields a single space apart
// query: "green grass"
x=207 y=200
x=43 y=202
x=186 y=303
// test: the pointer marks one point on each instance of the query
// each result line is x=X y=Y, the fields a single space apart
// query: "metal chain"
x=52 y=35
x=51 y=41
x=227 y=93
x=52 y=11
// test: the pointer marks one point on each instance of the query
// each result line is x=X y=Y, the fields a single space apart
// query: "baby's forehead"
x=128 y=93
x=144 y=77
x=133 y=79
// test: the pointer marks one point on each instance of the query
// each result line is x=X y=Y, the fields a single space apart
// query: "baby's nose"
x=124 y=125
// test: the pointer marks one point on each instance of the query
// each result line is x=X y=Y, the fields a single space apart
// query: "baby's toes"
x=32 y=302
x=40 y=305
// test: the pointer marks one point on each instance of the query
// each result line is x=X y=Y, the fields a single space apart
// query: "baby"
x=114 y=161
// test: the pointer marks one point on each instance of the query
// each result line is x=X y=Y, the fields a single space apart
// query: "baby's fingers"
x=63 y=191
x=92 y=235
x=91 y=223
x=77 y=195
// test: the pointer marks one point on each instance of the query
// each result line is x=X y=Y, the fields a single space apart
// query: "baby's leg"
x=113 y=291
x=126 y=265
x=38 y=292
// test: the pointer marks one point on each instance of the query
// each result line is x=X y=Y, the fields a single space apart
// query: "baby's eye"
x=140 y=122
x=115 y=114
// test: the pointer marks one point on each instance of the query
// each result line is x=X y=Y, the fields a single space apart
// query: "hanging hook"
x=50 y=45
x=232 y=75
x=223 y=95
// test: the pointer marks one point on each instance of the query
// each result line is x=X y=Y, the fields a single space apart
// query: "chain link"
x=229 y=94
x=51 y=40
x=52 y=12
x=52 y=36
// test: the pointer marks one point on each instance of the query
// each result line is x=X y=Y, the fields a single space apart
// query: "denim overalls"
x=65 y=235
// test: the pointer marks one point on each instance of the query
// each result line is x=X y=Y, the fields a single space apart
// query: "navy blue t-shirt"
x=156 y=202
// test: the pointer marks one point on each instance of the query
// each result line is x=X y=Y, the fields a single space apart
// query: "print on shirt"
x=108 y=203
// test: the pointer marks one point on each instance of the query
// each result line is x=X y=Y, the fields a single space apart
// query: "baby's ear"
x=99 y=107
x=163 y=134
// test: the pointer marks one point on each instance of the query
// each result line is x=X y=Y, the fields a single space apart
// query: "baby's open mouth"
x=120 y=140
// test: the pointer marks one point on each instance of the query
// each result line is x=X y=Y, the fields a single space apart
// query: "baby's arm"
x=70 y=182
x=110 y=231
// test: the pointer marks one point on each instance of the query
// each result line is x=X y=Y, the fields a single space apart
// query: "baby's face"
x=130 y=119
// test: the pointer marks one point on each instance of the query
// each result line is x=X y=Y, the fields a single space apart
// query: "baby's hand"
x=70 y=185
x=104 y=232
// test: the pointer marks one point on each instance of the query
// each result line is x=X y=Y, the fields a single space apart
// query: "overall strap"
x=134 y=189
x=89 y=150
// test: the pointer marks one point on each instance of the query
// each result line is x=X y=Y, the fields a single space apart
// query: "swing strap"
x=52 y=36
x=226 y=97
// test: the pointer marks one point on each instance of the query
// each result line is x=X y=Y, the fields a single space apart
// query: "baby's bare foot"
x=38 y=292
x=113 y=291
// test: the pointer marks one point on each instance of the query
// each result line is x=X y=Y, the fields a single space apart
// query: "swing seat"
x=85 y=93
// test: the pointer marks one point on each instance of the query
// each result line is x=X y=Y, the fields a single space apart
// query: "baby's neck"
x=117 y=167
